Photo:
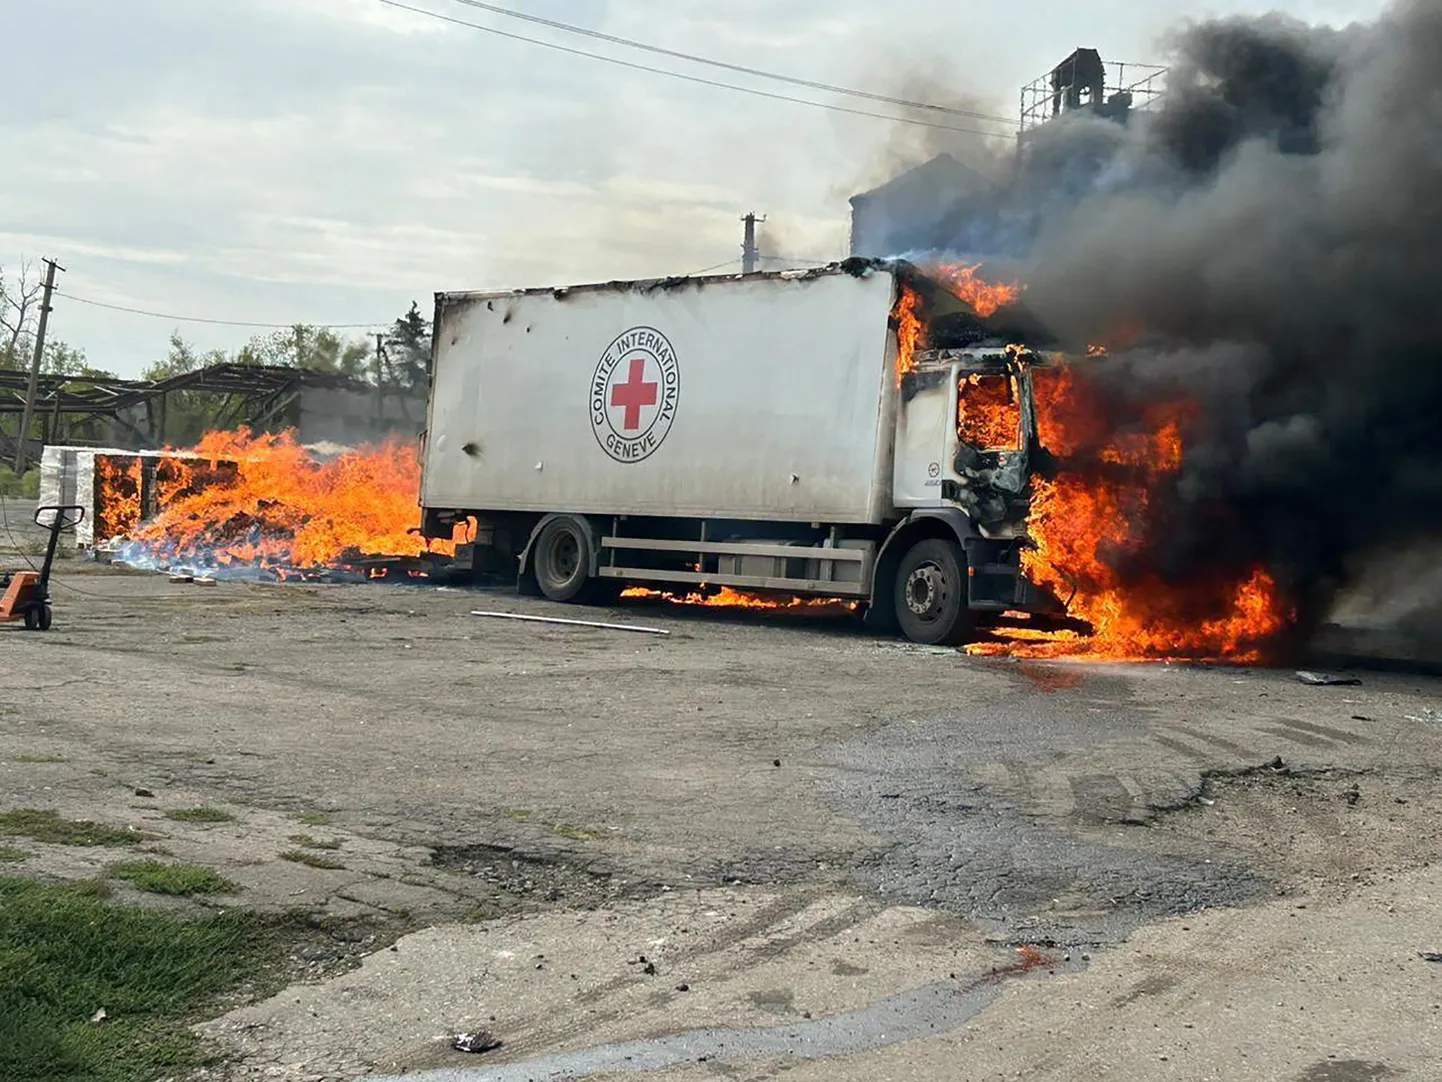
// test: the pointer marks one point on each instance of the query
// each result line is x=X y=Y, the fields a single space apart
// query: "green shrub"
x=24 y=487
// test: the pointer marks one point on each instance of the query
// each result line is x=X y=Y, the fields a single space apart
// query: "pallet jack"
x=27 y=593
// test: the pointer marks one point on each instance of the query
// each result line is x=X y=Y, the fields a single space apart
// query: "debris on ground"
x=1326 y=679
x=1430 y=956
x=141 y=791
x=483 y=1040
x=569 y=623
x=1354 y=794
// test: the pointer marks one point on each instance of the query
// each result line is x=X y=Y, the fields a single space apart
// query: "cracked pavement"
x=583 y=794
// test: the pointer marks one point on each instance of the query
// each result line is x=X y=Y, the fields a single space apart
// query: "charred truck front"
x=792 y=433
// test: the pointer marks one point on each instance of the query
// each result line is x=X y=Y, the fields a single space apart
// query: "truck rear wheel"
x=562 y=559
x=931 y=594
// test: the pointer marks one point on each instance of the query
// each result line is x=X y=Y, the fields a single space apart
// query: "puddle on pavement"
x=906 y=1016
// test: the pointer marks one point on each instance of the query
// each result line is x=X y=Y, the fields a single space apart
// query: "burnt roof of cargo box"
x=1011 y=324
x=855 y=266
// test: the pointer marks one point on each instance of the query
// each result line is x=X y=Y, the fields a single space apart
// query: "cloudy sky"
x=328 y=161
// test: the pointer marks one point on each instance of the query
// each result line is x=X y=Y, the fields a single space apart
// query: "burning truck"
x=856 y=432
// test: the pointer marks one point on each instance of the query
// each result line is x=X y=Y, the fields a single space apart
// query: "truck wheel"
x=931 y=594
x=562 y=560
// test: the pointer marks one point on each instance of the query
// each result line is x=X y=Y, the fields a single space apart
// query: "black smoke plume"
x=1273 y=241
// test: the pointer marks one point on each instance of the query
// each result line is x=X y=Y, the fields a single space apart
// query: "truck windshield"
x=988 y=411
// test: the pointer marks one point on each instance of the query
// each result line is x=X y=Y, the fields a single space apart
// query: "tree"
x=315 y=348
x=188 y=414
x=19 y=307
x=408 y=350
x=62 y=360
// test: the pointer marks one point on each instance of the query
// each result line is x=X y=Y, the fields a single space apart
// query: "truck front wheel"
x=931 y=594
x=562 y=559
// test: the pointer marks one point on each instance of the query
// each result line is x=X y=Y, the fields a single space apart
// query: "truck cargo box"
x=762 y=396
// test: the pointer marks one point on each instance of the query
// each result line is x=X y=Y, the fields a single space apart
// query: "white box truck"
x=771 y=432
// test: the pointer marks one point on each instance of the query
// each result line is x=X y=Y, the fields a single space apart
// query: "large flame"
x=907 y=318
x=1095 y=515
x=985 y=298
x=988 y=412
x=277 y=507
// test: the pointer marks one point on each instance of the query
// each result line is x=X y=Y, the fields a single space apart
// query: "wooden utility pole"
x=749 y=253
x=32 y=388
x=380 y=377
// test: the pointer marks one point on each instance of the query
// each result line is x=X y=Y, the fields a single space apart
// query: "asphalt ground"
x=795 y=820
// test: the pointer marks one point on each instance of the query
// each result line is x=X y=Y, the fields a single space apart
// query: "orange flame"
x=119 y=478
x=908 y=331
x=988 y=413
x=984 y=297
x=1098 y=510
x=725 y=597
x=279 y=508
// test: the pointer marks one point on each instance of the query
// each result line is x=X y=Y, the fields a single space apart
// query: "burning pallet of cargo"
x=239 y=506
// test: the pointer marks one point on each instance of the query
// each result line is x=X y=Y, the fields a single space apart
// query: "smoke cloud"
x=1287 y=244
x=1271 y=243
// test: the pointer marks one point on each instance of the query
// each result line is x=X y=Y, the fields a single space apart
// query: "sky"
x=331 y=161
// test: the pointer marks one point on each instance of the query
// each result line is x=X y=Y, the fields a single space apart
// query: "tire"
x=931 y=594
x=37 y=618
x=561 y=560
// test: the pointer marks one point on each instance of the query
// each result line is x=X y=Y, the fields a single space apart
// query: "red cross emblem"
x=634 y=393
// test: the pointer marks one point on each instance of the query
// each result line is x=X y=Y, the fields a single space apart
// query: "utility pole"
x=33 y=387
x=380 y=377
x=749 y=254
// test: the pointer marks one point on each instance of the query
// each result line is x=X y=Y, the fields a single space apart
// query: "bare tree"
x=19 y=303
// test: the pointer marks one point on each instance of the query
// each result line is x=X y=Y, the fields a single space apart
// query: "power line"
x=759 y=73
x=215 y=322
x=690 y=78
x=714 y=266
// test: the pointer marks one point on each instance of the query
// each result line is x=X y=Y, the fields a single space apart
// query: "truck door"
x=925 y=437
x=995 y=420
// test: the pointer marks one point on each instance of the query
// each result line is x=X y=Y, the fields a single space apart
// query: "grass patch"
x=311 y=818
x=12 y=856
x=200 y=815
x=483 y=912
x=575 y=833
x=181 y=880
x=312 y=860
x=41 y=759
x=520 y=815
x=65 y=952
x=305 y=841
x=24 y=486
x=46 y=826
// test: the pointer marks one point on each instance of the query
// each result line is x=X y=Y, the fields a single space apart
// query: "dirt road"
x=790 y=819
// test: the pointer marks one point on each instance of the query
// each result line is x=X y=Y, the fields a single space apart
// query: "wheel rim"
x=926 y=592
x=564 y=557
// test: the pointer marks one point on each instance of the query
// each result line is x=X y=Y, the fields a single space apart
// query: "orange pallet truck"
x=27 y=593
